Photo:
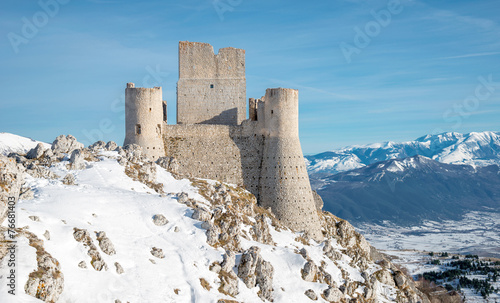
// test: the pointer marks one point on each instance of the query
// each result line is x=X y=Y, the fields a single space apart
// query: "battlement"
x=198 y=61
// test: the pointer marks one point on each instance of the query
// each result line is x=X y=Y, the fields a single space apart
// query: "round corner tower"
x=284 y=182
x=144 y=119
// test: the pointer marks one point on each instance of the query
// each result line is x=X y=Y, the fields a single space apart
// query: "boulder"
x=159 y=220
x=77 y=160
x=311 y=294
x=333 y=294
x=65 y=144
x=157 y=252
x=105 y=243
x=310 y=272
x=36 y=152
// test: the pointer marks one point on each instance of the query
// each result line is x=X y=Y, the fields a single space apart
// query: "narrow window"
x=272 y=112
x=211 y=86
x=137 y=129
x=150 y=109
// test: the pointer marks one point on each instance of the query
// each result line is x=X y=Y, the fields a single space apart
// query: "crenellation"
x=214 y=140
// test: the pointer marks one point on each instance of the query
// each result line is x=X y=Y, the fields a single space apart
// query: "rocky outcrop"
x=170 y=164
x=36 y=152
x=65 y=144
x=255 y=271
x=83 y=236
x=105 y=243
x=11 y=181
x=47 y=281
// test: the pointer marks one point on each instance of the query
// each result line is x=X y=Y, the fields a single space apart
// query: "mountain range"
x=435 y=177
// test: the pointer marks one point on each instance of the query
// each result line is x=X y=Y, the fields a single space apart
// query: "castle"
x=213 y=139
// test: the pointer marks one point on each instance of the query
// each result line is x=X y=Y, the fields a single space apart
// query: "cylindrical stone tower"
x=144 y=119
x=284 y=183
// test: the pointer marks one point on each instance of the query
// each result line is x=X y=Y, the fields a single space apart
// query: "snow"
x=476 y=148
x=10 y=143
x=106 y=199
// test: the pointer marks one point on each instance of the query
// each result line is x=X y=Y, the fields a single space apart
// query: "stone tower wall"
x=284 y=182
x=211 y=88
x=144 y=119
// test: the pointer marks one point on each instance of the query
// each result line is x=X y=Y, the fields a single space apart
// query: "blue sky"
x=419 y=67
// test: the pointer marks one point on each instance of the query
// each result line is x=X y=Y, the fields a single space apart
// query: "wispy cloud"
x=472 y=55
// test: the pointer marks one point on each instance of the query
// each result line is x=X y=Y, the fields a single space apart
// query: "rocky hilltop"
x=107 y=223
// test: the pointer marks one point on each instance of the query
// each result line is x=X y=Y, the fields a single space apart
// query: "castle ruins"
x=213 y=139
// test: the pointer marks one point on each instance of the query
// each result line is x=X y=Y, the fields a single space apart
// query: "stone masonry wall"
x=221 y=152
x=211 y=88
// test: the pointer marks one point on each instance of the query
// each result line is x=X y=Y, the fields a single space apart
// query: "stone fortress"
x=213 y=139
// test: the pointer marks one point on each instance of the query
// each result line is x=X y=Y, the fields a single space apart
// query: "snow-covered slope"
x=10 y=143
x=106 y=197
x=476 y=148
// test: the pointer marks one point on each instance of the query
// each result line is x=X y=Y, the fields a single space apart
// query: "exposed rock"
x=229 y=261
x=26 y=194
x=169 y=163
x=215 y=267
x=133 y=153
x=157 y=252
x=105 y=243
x=69 y=179
x=253 y=270
x=83 y=236
x=384 y=277
x=82 y=264
x=18 y=158
x=11 y=180
x=36 y=152
x=119 y=268
x=97 y=146
x=65 y=144
x=201 y=214
x=303 y=252
x=311 y=294
x=318 y=201
x=310 y=271
x=34 y=218
x=47 y=281
x=182 y=198
x=265 y=273
x=228 y=283
x=46 y=234
x=261 y=230
x=77 y=160
x=399 y=279
x=213 y=232
x=111 y=146
x=41 y=172
x=159 y=220
x=145 y=172
x=333 y=294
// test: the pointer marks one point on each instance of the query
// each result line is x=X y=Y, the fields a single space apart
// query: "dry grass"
x=205 y=284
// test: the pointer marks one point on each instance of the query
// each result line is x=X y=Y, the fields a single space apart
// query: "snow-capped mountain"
x=476 y=148
x=10 y=143
x=410 y=190
x=106 y=224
